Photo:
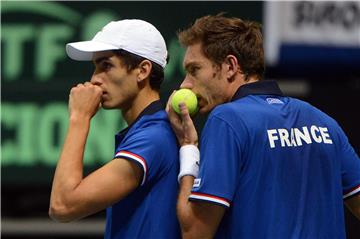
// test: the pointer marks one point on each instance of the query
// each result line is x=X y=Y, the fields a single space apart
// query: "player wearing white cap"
x=139 y=186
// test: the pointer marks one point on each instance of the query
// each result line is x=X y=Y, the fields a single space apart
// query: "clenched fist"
x=85 y=100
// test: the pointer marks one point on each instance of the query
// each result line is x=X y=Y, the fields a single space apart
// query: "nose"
x=96 y=79
x=187 y=83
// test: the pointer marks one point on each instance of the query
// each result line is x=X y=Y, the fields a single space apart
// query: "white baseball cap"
x=136 y=36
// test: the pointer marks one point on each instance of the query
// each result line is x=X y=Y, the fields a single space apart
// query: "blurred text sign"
x=304 y=33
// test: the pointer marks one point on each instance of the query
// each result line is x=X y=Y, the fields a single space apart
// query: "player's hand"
x=182 y=124
x=85 y=100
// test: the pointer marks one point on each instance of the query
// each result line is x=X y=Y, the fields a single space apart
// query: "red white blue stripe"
x=137 y=158
x=352 y=192
x=209 y=198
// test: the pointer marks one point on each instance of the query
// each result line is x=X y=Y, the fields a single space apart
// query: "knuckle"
x=97 y=89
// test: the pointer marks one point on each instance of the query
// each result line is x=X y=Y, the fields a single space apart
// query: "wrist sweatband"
x=189 y=157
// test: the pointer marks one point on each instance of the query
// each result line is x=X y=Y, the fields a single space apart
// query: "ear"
x=144 y=70
x=231 y=66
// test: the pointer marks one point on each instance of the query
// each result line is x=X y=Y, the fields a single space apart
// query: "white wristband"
x=189 y=157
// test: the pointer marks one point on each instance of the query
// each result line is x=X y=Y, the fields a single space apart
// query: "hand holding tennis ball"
x=185 y=96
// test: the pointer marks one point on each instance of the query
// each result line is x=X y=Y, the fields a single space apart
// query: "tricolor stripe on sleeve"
x=137 y=158
x=209 y=198
x=352 y=192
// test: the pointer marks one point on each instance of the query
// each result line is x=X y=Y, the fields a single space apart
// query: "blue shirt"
x=280 y=166
x=150 y=210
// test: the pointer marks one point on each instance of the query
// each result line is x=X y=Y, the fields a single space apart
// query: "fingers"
x=182 y=123
x=173 y=116
x=189 y=132
x=86 y=92
x=184 y=114
x=87 y=83
x=168 y=104
x=184 y=111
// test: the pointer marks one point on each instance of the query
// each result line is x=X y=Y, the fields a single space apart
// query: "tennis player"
x=138 y=187
x=271 y=166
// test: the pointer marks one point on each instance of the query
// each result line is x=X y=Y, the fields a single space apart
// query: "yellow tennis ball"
x=185 y=96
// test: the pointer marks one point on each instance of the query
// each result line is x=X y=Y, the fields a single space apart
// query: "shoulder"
x=226 y=119
x=154 y=128
x=233 y=112
x=224 y=110
x=314 y=111
x=243 y=105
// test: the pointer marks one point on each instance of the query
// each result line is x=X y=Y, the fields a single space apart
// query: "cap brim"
x=83 y=51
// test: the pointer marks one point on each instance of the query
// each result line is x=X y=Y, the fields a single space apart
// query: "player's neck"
x=142 y=100
x=235 y=85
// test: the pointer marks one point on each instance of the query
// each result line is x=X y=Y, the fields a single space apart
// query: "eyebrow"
x=190 y=64
x=100 y=59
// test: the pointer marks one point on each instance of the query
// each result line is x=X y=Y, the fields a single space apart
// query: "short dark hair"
x=221 y=36
x=131 y=61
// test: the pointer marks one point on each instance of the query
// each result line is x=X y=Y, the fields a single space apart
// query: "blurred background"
x=312 y=50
